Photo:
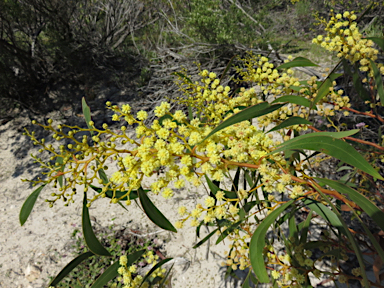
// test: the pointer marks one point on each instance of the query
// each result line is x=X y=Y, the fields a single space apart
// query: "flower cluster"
x=345 y=38
x=130 y=276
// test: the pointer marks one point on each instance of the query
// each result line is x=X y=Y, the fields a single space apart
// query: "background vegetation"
x=46 y=45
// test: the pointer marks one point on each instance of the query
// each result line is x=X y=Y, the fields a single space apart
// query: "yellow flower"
x=126 y=108
x=219 y=195
x=275 y=274
x=179 y=224
x=182 y=210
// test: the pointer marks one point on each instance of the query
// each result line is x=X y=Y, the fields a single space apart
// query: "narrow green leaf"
x=228 y=231
x=330 y=146
x=305 y=228
x=102 y=175
x=87 y=113
x=181 y=75
x=112 y=273
x=161 y=263
x=378 y=41
x=370 y=236
x=246 y=114
x=206 y=238
x=61 y=169
x=316 y=244
x=368 y=206
x=236 y=180
x=334 y=76
x=214 y=189
x=246 y=281
x=89 y=236
x=161 y=285
x=294 y=120
x=378 y=80
x=153 y=213
x=69 y=267
x=27 y=207
x=108 y=275
x=357 y=84
x=258 y=242
x=293 y=228
x=134 y=256
x=227 y=68
x=350 y=237
x=299 y=100
x=325 y=213
x=190 y=113
x=297 y=62
x=323 y=91
x=118 y=194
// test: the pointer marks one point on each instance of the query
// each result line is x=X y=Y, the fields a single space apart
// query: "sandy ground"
x=39 y=249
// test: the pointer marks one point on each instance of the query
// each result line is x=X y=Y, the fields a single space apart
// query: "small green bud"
x=105 y=126
x=91 y=123
x=108 y=103
x=34 y=122
x=70 y=146
x=49 y=121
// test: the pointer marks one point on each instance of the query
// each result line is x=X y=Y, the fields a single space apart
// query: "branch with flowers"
x=220 y=136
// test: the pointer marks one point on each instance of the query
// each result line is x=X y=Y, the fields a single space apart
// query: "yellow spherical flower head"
x=167 y=193
x=219 y=195
x=142 y=115
x=196 y=213
x=209 y=202
x=182 y=211
x=123 y=260
x=115 y=117
x=195 y=222
x=220 y=212
x=233 y=210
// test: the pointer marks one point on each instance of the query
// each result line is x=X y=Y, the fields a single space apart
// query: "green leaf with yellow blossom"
x=246 y=114
x=153 y=213
x=331 y=146
x=323 y=91
x=89 y=236
x=299 y=100
x=214 y=189
x=60 y=179
x=69 y=267
x=294 y=120
x=257 y=244
x=118 y=194
x=86 y=113
x=27 y=207
x=112 y=273
x=154 y=268
x=378 y=41
x=297 y=62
